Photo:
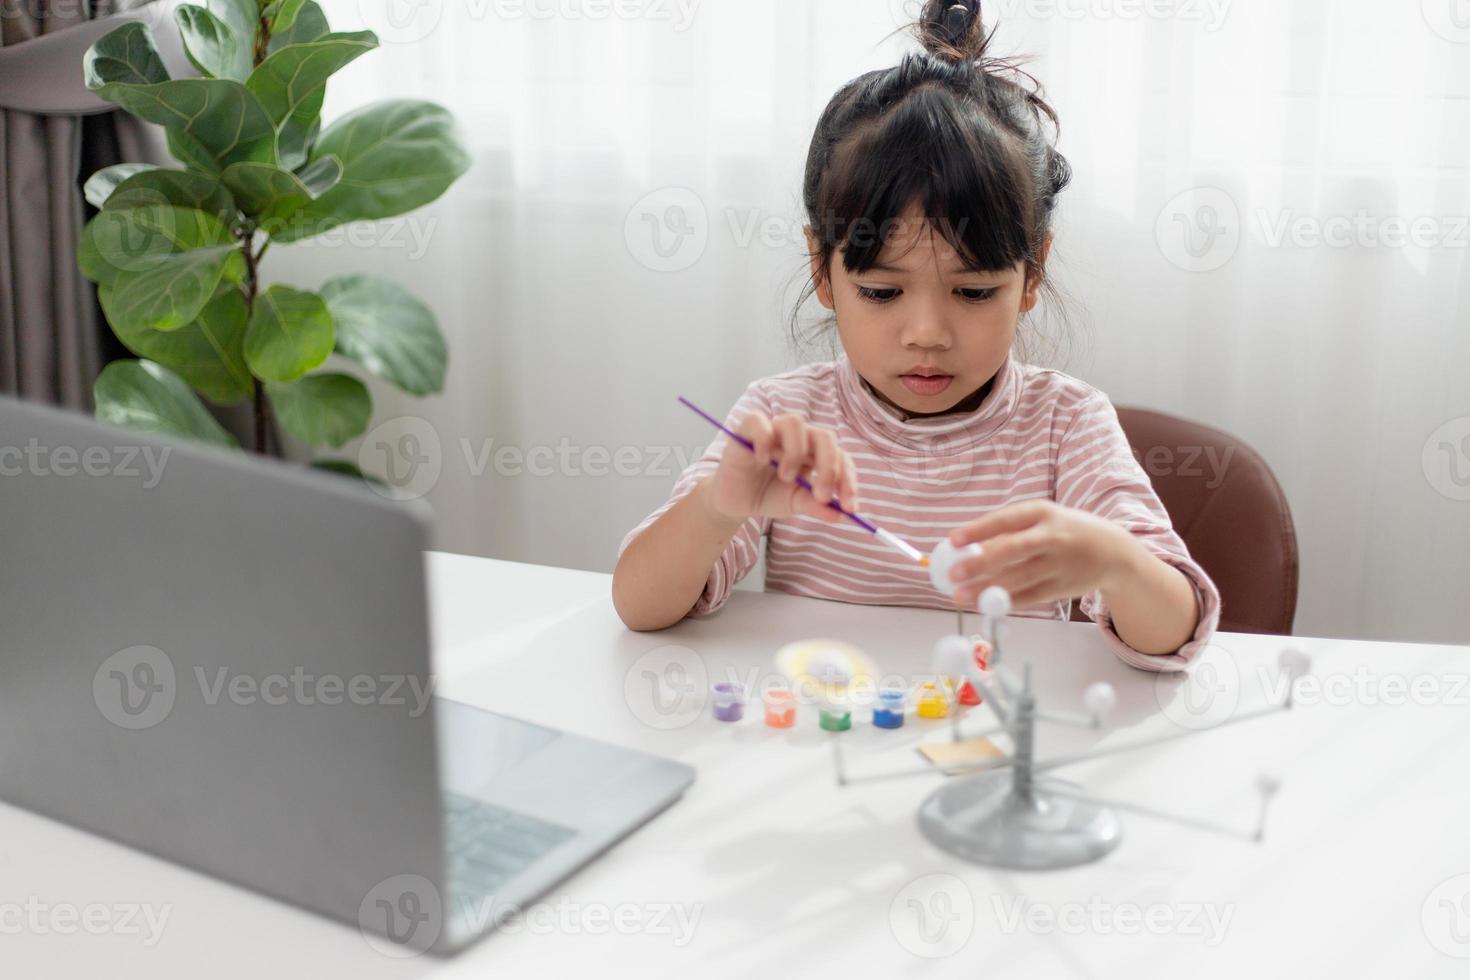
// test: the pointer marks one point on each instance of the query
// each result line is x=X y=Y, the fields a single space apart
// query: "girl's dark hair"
x=962 y=133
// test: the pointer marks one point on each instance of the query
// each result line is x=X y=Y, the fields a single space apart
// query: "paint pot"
x=933 y=701
x=888 y=712
x=780 y=707
x=834 y=715
x=727 y=701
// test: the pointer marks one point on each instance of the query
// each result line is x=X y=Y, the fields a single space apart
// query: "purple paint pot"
x=727 y=700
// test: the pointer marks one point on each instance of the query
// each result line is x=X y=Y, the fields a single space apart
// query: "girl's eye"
x=977 y=295
x=972 y=295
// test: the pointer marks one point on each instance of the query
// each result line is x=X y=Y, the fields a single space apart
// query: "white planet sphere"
x=944 y=557
x=831 y=667
x=1100 y=698
x=995 y=602
x=954 y=656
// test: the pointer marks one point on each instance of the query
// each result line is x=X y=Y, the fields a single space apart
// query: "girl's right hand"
x=746 y=484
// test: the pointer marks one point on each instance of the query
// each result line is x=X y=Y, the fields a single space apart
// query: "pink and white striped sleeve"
x=744 y=549
x=1097 y=472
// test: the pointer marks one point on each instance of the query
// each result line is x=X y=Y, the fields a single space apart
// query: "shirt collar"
x=886 y=428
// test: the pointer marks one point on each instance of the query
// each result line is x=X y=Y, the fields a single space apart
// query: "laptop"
x=224 y=660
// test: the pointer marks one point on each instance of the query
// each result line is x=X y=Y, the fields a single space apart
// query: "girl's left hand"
x=1040 y=551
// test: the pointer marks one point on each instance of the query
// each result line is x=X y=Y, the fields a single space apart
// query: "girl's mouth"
x=926 y=385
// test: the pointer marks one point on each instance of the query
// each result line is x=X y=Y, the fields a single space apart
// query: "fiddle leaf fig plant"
x=175 y=251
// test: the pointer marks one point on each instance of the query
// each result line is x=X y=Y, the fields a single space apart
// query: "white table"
x=779 y=872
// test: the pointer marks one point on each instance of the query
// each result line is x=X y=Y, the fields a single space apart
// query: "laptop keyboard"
x=489 y=845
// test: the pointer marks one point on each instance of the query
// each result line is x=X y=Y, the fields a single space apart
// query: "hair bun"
x=957 y=20
x=953 y=30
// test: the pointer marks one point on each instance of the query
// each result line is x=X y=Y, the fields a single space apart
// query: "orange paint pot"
x=780 y=707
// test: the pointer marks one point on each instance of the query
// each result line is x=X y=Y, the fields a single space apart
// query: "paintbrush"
x=887 y=537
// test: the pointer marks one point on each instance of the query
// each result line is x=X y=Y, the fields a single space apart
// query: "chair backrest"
x=1225 y=503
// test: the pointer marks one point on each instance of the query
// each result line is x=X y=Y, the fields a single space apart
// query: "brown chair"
x=1227 y=506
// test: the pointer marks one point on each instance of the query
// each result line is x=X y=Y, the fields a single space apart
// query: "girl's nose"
x=926 y=327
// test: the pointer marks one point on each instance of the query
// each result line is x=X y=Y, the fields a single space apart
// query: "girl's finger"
x=1001 y=551
x=805 y=504
x=791 y=434
x=1017 y=580
x=1014 y=517
x=1048 y=590
x=824 y=464
x=848 y=487
x=757 y=428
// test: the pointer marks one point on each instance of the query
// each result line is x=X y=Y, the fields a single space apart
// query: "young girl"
x=934 y=184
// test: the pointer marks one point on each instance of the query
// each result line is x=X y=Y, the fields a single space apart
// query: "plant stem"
x=262 y=38
x=252 y=284
x=262 y=416
x=252 y=260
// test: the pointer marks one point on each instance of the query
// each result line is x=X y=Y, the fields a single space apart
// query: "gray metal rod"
x=846 y=780
x=1194 y=822
x=1067 y=760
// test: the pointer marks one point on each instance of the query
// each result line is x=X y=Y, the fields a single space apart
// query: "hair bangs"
x=946 y=157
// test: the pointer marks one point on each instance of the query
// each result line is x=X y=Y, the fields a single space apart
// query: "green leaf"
x=147 y=397
x=136 y=240
x=168 y=296
x=294 y=142
x=160 y=264
x=213 y=47
x=321 y=175
x=180 y=188
x=322 y=408
x=191 y=153
x=210 y=120
x=289 y=84
x=388 y=331
x=290 y=333
x=396 y=156
x=125 y=55
x=99 y=186
x=242 y=17
x=207 y=353
x=344 y=468
x=281 y=14
x=267 y=191
x=310 y=24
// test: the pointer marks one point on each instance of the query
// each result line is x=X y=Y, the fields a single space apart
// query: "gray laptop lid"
x=217 y=658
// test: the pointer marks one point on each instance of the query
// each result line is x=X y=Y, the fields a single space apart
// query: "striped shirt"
x=1038 y=433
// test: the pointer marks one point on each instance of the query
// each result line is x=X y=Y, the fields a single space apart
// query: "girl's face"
x=925 y=332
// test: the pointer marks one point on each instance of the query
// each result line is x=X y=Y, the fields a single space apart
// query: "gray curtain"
x=51 y=331
x=53 y=135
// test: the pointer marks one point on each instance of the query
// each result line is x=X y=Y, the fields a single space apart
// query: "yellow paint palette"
x=825 y=667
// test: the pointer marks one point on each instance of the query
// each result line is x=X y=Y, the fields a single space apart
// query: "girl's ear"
x=1033 y=279
x=819 y=274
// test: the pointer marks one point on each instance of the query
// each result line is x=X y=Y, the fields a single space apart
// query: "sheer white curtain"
x=630 y=232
